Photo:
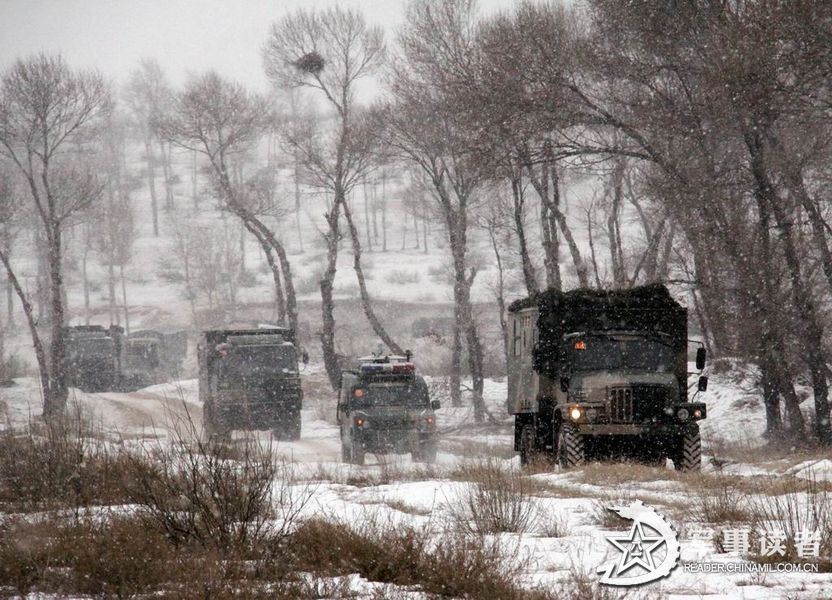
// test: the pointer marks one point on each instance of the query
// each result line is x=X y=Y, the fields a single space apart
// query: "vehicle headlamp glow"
x=359 y=393
x=429 y=419
x=575 y=413
x=683 y=414
x=697 y=414
x=359 y=421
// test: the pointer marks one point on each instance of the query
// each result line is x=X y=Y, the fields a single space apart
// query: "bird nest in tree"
x=310 y=63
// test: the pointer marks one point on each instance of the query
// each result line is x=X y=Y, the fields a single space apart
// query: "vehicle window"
x=243 y=361
x=397 y=393
x=597 y=353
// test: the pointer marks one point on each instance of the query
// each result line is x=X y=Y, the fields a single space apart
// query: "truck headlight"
x=361 y=422
x=683 y=414
x=575 y=413
x=697 y=414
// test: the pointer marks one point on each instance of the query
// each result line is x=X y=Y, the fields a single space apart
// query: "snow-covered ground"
x=565 y=536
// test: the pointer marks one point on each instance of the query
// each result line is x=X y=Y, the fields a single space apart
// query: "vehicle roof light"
x=580 y=345
x=369 y=368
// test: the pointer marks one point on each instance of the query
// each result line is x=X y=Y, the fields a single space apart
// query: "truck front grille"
x=621 y=404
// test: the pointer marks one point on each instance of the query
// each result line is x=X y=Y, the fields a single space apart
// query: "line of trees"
x=704 y=127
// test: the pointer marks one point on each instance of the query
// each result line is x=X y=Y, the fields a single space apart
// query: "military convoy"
x=595 y=372
x=249 y=380
x=384 y=407
x=103 y=359
x=152 y=356
x=93 y=357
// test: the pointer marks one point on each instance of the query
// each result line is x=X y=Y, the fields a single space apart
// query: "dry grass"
x=459 y=567
x=723 y=504
x=59 y=464
x=797 y=506
x=496 y=500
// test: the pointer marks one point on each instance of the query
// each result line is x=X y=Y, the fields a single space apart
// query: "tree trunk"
x=151 y=183
x=124 y=299
x=518 y=197
x=37 y=343
x=56 y=400
x=274 y=268
x=332 y=238
x=166 y=173
x=366 y=303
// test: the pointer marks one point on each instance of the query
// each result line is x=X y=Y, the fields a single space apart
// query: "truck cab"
x=249 y=379
x=595 y=373
x=384 y=407
x=93 y=357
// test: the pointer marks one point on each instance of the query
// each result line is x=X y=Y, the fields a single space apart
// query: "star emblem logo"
x=648 y=551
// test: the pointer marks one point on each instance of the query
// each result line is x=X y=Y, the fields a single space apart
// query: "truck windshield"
x=260 y=360
x=606 y=353
x=394 y=393
x=91 y=348
x=141 y=353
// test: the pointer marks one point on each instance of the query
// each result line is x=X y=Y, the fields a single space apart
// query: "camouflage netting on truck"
x=648 y=308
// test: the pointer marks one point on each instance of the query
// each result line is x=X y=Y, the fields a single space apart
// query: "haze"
x=183 y=35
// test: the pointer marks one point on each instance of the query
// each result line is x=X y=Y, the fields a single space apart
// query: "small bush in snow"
x=496 y=500
x=397 y=277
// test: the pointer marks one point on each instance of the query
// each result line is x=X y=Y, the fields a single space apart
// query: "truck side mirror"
x=305 y=357
x=564 y=384
x=702 y=386
x=700 y=358
x=435 y=405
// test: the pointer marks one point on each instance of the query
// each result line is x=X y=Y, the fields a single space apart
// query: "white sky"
x=183 y=35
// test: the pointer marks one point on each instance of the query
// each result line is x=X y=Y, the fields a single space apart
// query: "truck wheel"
x=429 y=453
x=527 y=449
x=688 y=455
x=356 y=452
x=424 y=452
x=346 y=451
x=570 y=449
x=293 y=432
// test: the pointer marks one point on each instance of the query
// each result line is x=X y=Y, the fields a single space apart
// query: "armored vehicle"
x=384 y=406
x=249 y=379
x=603 y=373
x=93 y=356
x=152 y=357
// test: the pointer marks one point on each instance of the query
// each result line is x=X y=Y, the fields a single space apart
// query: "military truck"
x=384 y=407
x=600 y=373
x=151 y=357
x=249 y=379
x=93 y=356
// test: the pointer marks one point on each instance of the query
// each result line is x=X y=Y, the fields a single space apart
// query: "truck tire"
x=688 y=455
x=346 y=451
x=356 y=452
x=570 y=448
x=528 y=453
x=293 y=431
x=424 y=452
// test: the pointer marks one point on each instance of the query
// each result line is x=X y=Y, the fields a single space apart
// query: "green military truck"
x=93 y=356
x=384 y=407
x=249 y=380
x=152 y=357
x=599 y=373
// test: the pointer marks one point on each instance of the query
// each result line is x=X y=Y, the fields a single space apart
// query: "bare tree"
x=148 y=96
x=329 y=52
x=424 y=125
x=46 y=111
x=219 y=119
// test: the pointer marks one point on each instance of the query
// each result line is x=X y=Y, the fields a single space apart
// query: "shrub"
x=397 y=277
x=58 y=464
x=194 y=492
x=496 y=500
x=722 y=504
